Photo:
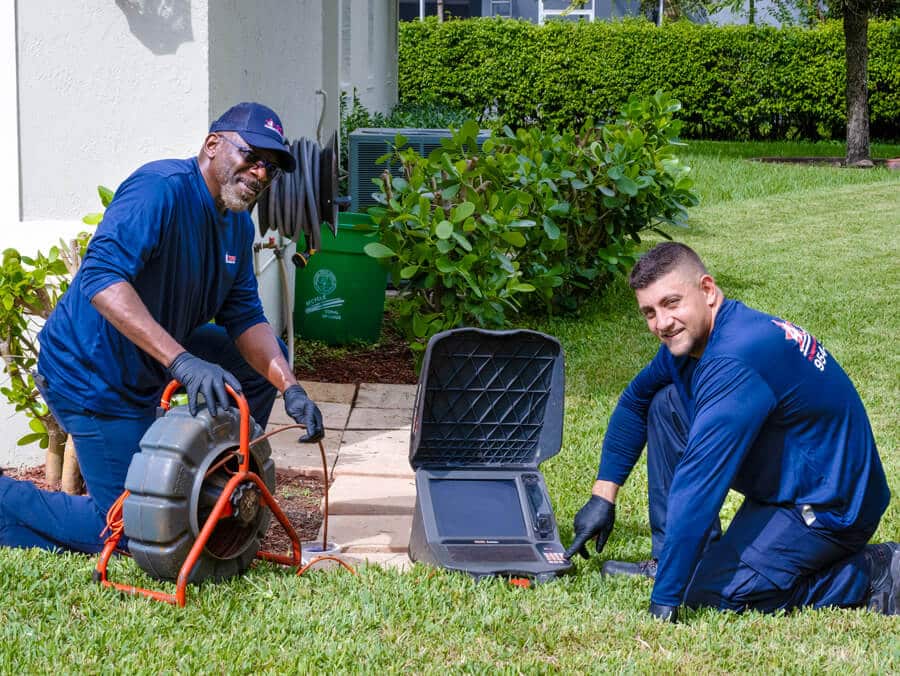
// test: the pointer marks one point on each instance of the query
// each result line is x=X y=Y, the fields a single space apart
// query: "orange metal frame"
x=222 y=509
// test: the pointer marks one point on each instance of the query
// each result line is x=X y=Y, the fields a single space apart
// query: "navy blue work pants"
x=105 y=444
x=769 y=558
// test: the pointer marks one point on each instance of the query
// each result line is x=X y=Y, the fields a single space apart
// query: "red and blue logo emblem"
x=807 y=344
x=274 y=126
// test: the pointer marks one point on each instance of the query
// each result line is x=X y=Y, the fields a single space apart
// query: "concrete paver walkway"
x=372 y=490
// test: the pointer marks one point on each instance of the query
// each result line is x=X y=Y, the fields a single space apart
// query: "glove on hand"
x=594 y=520
x=664 y=613
x=301 y=408
x=202 y=377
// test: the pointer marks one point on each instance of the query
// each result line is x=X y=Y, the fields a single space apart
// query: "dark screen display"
x=471 y=508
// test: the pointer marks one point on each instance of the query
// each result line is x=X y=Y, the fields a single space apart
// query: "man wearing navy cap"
x=173 y=253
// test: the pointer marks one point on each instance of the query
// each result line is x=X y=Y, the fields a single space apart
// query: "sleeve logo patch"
x=230 y=260
x=807 y=344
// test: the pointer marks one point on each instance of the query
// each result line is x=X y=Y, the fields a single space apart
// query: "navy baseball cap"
x=259 y=126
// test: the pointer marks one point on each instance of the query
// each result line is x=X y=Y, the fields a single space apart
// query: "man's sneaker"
x=646 y=568
x=884 y=586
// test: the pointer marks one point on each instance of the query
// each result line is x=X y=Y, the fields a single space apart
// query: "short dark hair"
x=660 y=261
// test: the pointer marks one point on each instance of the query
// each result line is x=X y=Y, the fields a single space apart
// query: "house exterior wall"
x=368 y=52
x=105 y=89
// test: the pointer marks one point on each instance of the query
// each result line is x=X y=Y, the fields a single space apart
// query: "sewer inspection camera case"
x=489 y=410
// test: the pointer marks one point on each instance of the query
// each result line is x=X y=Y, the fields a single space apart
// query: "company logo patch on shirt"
x=230 y=260
x=809 y=347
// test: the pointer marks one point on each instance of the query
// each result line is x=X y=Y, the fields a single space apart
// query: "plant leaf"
x=444 y=229
x=378 y=250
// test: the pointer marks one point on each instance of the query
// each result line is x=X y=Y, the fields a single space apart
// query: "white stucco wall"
x=107 y=87
x=368 y=52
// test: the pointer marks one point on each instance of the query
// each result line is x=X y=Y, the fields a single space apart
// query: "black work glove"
x=202 y=377
x=302 y=409
x=594 y=520
x=664 y=613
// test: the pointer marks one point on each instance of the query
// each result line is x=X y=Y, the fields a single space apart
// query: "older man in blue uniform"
x=738 y=399
x=174 y=251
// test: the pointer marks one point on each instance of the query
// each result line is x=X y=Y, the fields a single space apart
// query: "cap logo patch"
x=274 y=126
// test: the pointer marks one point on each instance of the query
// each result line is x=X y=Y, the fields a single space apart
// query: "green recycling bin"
x=339 y=294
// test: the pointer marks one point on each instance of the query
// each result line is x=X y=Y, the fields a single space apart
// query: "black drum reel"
x=174 y=483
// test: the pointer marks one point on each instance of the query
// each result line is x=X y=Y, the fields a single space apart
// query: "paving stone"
x=357 y=535
x=379 y=418
x=365 y=495
x=306 y=458
x=376 y=453
x=338 y=393
x=384 y=560
x=381 y=395
x=334 y=415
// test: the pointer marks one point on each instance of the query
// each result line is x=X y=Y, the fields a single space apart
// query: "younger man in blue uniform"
x=174 y=251
x=737 y=399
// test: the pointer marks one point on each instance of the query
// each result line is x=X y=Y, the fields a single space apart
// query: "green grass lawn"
x=816 y=245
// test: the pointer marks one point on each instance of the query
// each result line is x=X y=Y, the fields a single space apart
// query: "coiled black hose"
x=302 y=201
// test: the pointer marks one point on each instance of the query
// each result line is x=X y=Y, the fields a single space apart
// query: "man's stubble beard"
x=230 y=196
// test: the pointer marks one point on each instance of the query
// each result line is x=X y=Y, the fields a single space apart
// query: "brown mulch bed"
x=389 y=361
x=33 y=474
x=299 y=496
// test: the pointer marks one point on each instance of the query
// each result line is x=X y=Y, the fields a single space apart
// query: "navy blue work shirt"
x=189 y=264
x=773 y=416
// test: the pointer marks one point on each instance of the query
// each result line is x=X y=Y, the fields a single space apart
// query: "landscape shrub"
x=30 y=287
x=735 y=82
x=533 y=219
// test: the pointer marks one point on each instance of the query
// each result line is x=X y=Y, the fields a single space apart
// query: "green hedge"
x=735 y=82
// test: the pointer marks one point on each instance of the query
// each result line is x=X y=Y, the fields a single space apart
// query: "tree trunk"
x=440 y=10
x=55 y=452
x=72 y=482
x=856 y=39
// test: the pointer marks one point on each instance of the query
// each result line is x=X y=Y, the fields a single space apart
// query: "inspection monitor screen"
x=477 y=508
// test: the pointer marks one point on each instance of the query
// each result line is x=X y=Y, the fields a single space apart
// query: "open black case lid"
x=488 y=399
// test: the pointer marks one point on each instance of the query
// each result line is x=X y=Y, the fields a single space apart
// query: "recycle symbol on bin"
x=324 y=282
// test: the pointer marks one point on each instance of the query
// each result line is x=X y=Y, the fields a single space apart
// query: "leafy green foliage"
x=29 y=290
x=533 y=220
x=735 y=82
x=106 y=196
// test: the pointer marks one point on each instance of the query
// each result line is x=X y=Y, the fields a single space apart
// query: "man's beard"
x=231 y=193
